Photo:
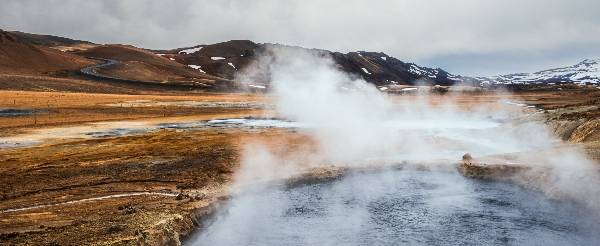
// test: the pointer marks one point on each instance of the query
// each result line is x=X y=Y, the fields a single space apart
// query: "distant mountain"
x=585 y=72
x=381 y=69
x=225 y=59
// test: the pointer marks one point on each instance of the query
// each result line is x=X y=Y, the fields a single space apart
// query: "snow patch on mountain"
x=196 y=67
x=190 y=51
x=583 y=73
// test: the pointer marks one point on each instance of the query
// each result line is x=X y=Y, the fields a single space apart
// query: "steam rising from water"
x=356 y=125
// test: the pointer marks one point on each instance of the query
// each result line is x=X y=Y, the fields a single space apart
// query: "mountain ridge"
x=225 y=59
x=584 y=73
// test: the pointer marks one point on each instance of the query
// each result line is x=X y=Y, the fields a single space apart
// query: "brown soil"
x=143 y=65
x=55 y=42
x=80 y=108
x=196 y=164
x=19 y=57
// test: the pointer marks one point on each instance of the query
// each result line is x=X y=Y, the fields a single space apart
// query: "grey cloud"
x=430 y=32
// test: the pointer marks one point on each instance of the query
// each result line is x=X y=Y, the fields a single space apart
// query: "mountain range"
x=215 y=65
x=585 y=72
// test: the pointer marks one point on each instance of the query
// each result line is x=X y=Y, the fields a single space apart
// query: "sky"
x=464 y=37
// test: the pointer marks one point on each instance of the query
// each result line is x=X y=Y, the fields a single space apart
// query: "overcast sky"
x=466 y=37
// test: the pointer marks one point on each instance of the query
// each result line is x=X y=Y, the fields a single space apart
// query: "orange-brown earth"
x=19 y=57
x=55 y=42
x=80 y=108
x=197 y=164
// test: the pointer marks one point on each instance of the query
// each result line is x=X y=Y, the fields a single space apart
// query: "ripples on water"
x=401 y=207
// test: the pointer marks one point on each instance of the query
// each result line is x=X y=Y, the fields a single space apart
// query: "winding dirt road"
x=91 y=70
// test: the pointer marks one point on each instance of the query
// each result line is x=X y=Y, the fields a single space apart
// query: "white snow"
x=258 y=86
x=231 y=64
x=383 y=88
x=587 y=71
x=160 y=54
x=217 y=58
x=196 y=67
x=384 y=58
x=365 y=70
x=172 y=59
x=190 y=51
x=409 y=89
x=418 y=70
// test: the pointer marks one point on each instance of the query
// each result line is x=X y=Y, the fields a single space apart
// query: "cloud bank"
x=466 y=37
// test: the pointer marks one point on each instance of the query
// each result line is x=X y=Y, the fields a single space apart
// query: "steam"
x=355 y=125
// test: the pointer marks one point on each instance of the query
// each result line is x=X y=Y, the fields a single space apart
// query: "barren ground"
x=196 y=164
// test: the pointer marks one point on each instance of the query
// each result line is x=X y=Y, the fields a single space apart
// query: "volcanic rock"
x=117 y=228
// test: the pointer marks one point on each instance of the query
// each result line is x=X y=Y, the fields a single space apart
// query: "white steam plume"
x=355 y=124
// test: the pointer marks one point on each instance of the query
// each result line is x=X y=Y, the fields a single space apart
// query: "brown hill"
x=126 y=53
x=60 y=43
x=19 y=57
x=220 y=59
x=225 y=59
x=142 y=65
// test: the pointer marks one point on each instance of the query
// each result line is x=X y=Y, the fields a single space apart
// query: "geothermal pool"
x=410 y=207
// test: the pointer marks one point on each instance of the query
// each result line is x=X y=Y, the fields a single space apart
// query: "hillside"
x=19 y=57
x=142 y=65
x=212 y=64
x=381 y=69
x=207 y=64
x=221 y=59
x=225 y=59
x=60 y=43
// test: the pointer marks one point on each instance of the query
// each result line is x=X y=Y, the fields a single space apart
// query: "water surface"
x=407 y=207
